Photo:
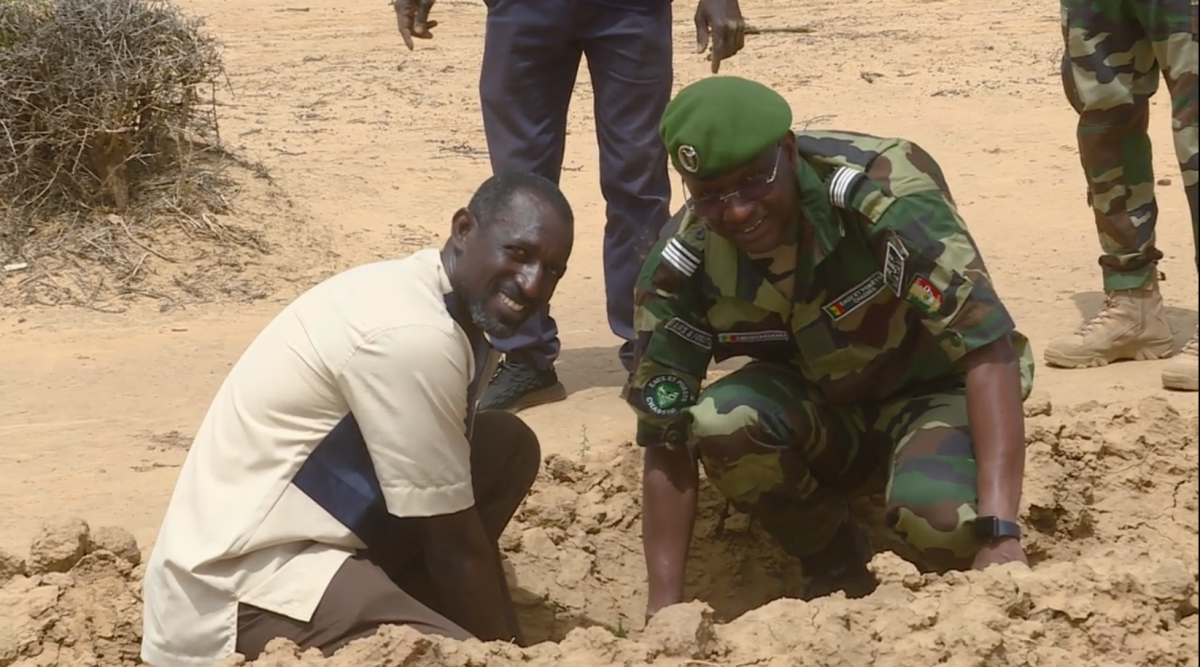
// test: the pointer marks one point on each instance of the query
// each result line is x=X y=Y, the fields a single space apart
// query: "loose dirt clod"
x=79 y=605
x=1111 y=520
x=682 y=631
x=10 y=566
x=59 y=546
x=118 y=542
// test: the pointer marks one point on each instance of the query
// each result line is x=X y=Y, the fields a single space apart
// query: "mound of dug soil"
x=75 y=602
x=1110 y=513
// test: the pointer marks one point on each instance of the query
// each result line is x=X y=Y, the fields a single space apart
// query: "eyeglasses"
x=711 y=206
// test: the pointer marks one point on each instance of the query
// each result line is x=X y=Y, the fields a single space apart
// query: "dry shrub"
x=108 y=129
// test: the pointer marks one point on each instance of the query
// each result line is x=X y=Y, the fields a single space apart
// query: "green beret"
x=720 y=123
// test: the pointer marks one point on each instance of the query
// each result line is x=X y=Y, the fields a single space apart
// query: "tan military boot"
x=1132 y=325
x=1181 y=372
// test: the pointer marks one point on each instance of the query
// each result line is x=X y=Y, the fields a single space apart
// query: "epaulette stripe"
x=842 y=185
x=675 y=254
x=685 y=251
x=678 y=256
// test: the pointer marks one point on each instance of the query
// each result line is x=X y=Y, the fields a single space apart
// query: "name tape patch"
x=689 y=332
x=855 y=297
x=893 y=266
x=769 y=336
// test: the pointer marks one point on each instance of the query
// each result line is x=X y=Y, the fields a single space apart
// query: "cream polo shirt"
x=353 y=403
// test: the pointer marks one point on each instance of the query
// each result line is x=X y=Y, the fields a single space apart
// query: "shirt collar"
x=452 y=301
x=818 y=214
x=481 y=348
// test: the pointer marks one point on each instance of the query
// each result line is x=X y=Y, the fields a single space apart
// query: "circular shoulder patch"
x=666 y=394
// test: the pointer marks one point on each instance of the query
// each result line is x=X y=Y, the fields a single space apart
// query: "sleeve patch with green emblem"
x=666 y=395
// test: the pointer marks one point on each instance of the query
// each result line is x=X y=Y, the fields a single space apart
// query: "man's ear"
x=789 y=140
x=789 y=149
x=462 y=225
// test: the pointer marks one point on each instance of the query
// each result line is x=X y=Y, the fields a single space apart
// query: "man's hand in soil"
x=720 y=20
x=1002 y=551
x=412 y=18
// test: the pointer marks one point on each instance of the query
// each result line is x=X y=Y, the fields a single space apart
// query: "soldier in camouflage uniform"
x=881 y=357
x=1114 y=53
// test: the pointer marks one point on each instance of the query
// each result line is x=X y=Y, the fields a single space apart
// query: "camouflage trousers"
x=778 y=452
x=1114 y=53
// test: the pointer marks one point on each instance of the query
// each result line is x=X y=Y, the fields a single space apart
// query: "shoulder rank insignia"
x=680 y=257
x=685 y=250
x=842 y=185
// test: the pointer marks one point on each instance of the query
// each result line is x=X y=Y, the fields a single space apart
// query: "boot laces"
x=1105 y=314
x=1193 y=346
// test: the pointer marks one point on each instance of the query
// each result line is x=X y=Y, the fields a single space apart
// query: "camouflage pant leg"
x=779 y=453
x=1179 y=55
x=932 y=493
x=1183 y=76
x=1114 y=52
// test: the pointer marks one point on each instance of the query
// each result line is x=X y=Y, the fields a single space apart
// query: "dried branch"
x=787 y=29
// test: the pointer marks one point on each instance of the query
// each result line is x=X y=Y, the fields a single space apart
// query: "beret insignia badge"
x=689 y=159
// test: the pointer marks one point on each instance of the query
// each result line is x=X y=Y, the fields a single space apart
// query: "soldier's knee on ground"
x=932 y=490
x=761 y=475
x=942 y=533
x=736 y=460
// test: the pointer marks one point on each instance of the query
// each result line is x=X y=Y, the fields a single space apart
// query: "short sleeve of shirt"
x=673 y=344
x=407 y=388
x=927 y=250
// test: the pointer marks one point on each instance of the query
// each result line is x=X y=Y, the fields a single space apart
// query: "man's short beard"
x=489 y=324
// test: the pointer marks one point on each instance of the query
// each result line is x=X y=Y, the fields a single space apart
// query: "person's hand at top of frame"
x=722 y=19
x=412 y=18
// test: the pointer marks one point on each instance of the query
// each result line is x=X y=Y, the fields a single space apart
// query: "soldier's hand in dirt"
x=1008 y=550
x=721 y=22
x=653 y=607
x=412 y=18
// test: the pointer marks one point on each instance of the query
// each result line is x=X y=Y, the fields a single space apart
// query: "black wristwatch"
x=990 y=529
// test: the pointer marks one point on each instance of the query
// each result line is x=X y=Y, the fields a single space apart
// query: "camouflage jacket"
x=890 y=293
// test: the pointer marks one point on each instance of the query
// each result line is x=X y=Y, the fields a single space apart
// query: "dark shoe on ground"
x=841 y=566
x=518 y=385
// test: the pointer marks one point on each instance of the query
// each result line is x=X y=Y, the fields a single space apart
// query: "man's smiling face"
x=511 y=265
x=753 y=206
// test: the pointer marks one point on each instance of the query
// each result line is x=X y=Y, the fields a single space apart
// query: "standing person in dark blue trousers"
x=531 y=57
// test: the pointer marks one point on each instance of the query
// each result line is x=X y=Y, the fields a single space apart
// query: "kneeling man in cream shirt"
x=341 y=479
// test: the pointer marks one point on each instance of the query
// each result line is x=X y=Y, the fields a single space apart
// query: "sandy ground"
x=371 y=148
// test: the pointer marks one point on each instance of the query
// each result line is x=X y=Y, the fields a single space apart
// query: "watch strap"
x=990 y=528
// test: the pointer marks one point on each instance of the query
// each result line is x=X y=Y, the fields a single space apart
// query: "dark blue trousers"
x=531 y=57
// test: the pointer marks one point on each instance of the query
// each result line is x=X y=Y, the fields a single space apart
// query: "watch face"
x=985 y=527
